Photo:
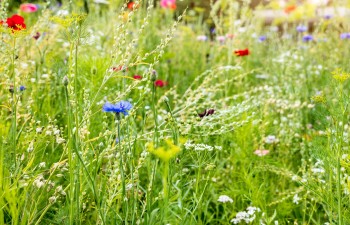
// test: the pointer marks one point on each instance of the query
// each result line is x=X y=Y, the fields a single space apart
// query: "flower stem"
x=155 y=115
x=121 y=167
x=14 y=105
x=165 y=176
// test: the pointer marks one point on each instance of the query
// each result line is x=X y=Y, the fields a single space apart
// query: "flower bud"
x=11 y=90
x=65 y=81
x=154 y=75
x=94 y=70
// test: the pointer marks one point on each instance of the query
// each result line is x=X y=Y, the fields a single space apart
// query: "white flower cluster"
x=224 y=199
x=318 y=167
x=247 y=216
x=201 y=147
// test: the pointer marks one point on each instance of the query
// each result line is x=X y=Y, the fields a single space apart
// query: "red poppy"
x=160 y=83
x=137 y=77
x=131 y=5
x=290 y=8
x=242 y=52
x=15 y=22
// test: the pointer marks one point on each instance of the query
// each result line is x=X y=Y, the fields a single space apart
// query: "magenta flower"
x=168 y=4
x=28 y=7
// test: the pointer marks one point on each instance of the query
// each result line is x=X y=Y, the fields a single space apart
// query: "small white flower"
x=39 y=183
x=296 y=199
x=317 y=170
x=271 y=139
x=30 y=147
x=101 y=2
x=52 y=199
x=224 y=199
x=60 y=190
x=60 y=140
x=39 y=130
x=202 y=38
x=56 y=132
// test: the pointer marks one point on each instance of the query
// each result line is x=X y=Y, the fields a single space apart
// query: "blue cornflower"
x=345 y=36
x=327 y=17
x=262 y=38
x=22 y=88
x=119 y=107
x=119 y=139
x=301 y=28
x=308 y=38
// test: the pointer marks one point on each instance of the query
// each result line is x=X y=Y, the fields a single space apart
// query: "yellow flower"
x=164 y=153
x=340 y=75
x=319 y=98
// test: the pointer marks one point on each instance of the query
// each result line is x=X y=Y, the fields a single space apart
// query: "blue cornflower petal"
x=345 y=36
x=301 y=28
x=262 y=38
x=119 y=107
x=327 y=17
x=22 y=88
x=108 y=107
x=307 y=38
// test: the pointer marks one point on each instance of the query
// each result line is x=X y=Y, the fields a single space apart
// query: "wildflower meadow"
x=174 y=112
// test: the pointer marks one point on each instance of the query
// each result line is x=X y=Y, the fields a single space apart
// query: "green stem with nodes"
x=121 y=167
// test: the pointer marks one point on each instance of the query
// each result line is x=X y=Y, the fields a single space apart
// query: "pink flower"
x=28 y=7
x=261 y=152
x=168 y=4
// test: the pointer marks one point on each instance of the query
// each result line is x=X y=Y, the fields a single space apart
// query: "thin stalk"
x=165 y=176
x=70 y=146
x=131 y=164
x=340 y=218
x=1 y=178
x=175 y=128
x=76 y=122
x=339 y=150
x=14 y=105
x=154 y=109
x=121 y=167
